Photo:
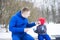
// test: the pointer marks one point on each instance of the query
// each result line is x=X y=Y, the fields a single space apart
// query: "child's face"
x=39 y=22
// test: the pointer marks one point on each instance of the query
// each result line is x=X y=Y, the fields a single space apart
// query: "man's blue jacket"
x=18 y=23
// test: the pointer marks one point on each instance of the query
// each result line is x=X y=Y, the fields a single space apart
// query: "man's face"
x=26 y=14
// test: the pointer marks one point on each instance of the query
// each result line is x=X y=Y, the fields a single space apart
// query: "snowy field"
x=52 y=29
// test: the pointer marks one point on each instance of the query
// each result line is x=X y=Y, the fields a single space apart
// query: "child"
x=41 y=30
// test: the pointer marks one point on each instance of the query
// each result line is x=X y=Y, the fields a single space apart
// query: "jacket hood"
x=18 y=13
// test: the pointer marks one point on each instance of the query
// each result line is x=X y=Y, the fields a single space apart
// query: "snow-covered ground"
x=52 y=29
x=5 y=36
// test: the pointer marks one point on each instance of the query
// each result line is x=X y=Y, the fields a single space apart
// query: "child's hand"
x=34 y=29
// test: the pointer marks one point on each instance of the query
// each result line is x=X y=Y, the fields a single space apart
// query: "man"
x=19 y=25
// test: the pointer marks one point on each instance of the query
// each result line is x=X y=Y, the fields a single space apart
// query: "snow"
x=52 y=29
x=4 y=35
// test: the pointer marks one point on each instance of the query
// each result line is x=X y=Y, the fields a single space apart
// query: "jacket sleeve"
x=12 y=26
x=45 y=29
x=30 y=25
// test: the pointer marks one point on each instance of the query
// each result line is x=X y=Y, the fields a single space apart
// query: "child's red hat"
x=42 y=20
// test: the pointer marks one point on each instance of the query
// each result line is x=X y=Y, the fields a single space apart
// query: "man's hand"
x=37 y=23
x=26 y=29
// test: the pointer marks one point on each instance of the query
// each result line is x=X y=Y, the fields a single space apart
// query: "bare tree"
x=0 y=11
